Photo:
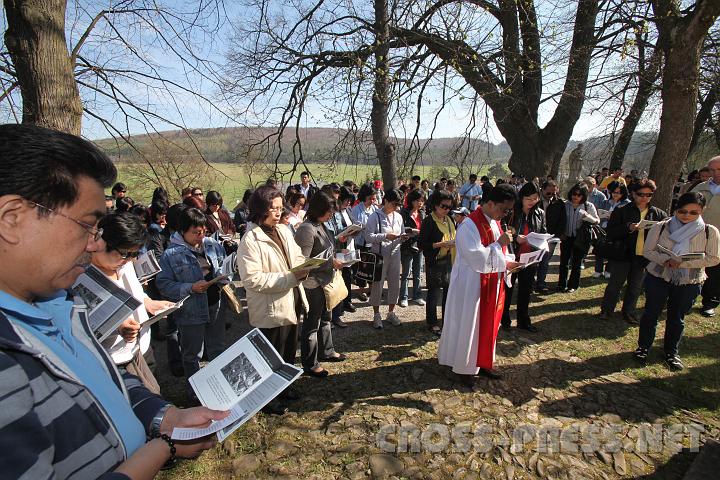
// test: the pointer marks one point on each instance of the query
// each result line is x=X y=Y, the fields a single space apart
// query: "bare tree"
x=681 y=36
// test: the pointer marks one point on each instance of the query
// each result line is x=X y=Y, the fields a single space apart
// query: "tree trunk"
x=646 y=82
x=381 y=97
x=35 y=39
x=681 y=39
x=703 y=116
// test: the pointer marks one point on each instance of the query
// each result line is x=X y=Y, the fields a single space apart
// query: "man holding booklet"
x=67 y=411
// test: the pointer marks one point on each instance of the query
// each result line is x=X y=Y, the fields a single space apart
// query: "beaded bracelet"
x=166 y=438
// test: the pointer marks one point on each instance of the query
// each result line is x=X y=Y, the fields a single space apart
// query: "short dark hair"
x=549 y=183
x=612 y=186
x=472 y=177
x=122 y=230
x=305 y=173
x=438 y=196
x=160 y=194
x=484 y=178
x=173 y=216
x=413 y=196
x=366 y=190
x=320 y=204
x=260 y=202
x=689 y=198
x=293 y=198
x=501 y=193
x=246 y=195
x=118 y=187
x=530 y=188
x=43 y=166
x=191 y=217
x=186 y=191
x=415 y=177
x=124 y=204
x=346 y=194
x=644 y=183
x=393 y=195
x=157 y=208
x=213 y=198
x=581 y=188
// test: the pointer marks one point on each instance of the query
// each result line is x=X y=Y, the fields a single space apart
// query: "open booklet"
x=645 y=224
x=108 y=305
x=243 y=379
x=146 y=266
x=348 y=258
x=603 y=214
x=686 y=257
x=530 y=258
x=164 y=313
x=349 y=231
x=314 y=262
x=540 y=241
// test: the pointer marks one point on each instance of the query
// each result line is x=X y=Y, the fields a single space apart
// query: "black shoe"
x=630 y=318
x=605 y=316
x=274 y=409
x=505 y=326
x=467 y=380
x=435 y=330
x=641 y=354
x=312 y=373
x=341 y=357
x=340 y=324
x=542 y=290
x=491 y=374
x=673 y=362
x=349 y=307
x=528 y=328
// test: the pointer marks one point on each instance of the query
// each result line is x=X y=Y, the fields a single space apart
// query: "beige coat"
x=267 y=280
x=707 y=243
x=711 y=212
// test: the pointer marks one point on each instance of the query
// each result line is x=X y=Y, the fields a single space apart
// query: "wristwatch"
x=157 y=421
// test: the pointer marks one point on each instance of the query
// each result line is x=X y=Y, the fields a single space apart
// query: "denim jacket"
x=180 y=269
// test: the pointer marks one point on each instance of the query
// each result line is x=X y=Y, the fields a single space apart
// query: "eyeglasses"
x=197 y=194
x=125 y=255
x=682 y=211
x=646 y=195
x=577 y=194
x=276 y=209
x=94 y=232
x=444 y=206
x=617 y=193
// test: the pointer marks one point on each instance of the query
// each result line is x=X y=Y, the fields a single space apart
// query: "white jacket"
x=268 y=281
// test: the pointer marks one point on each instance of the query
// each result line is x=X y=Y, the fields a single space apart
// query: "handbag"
x=610 y=249
x=370 y=265
x=336 y=291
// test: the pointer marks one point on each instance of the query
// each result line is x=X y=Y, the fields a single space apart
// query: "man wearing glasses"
x=711 y=215
x=66 y=409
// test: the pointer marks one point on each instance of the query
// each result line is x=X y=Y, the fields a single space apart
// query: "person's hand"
x=672 y=263
x=633 y=227
x=197 y=417
x=511 y=266
x=301 y=274
x=505 y=239
x=337 y=264
x=342 y=238
x=521 y=239
x=200 y=286
x=154 y=307
x=129 y=329
x=391 y=236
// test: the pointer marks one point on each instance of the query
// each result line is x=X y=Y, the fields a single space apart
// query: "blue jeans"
x=410 y=260
x=543 y=267
x=679 y=300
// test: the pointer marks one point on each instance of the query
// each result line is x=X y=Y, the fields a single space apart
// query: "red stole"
x=491 y=305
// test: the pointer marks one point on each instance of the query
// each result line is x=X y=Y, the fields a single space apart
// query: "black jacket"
x=535 y=219
x=429 y=234
x=618 y=227
x=556 y=217
x=312 y=190
x=408 y=221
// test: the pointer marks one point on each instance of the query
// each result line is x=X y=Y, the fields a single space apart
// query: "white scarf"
x=681 y=234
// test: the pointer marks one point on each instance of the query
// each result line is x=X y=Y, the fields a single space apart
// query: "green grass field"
x=231 y=180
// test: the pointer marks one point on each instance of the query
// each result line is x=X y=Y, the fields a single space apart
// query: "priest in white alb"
x=477 y=288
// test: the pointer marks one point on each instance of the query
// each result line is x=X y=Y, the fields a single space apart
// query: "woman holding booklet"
x=191 y=265
x=627 y=223
x=678 y=250
x=527 y=217
x=267 y=258
x=316 y=240
x=124 y=235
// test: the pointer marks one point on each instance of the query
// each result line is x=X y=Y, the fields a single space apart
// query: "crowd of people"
x=375 y=244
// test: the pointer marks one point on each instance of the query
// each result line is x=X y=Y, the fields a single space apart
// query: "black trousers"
x=711 y=288
x=570 y=258
x=284 y=339
x=632 y=272
x=523 y=280
x=316 y=333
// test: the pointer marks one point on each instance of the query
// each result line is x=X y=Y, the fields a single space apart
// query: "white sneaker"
x=377 y=321
x=597 y=275
x=393 y=319
x=419 y=301
x=403 y=303
x=607 y=274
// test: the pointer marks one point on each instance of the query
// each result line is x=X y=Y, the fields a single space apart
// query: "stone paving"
x=391 y=411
